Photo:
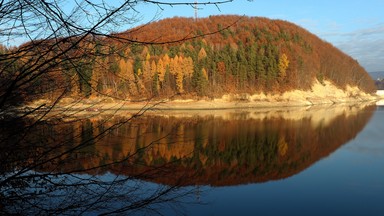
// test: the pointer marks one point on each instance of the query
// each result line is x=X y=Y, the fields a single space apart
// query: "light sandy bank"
x=325 y=93
x=380 y=93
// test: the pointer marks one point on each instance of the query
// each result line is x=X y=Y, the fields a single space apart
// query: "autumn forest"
x=186 y=58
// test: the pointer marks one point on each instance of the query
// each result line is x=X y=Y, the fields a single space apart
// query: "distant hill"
x=207 y=57
x=377 y=75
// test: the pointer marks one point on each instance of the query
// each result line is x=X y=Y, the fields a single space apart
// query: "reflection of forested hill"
x=207 y=149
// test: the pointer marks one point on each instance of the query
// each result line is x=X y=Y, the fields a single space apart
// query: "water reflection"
x=98 y=164
x=222 y=147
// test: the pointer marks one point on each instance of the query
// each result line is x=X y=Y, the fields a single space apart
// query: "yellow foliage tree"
x=205 y=74
x=161 y=70
x=283 y=65
x=174 y=65
x=187 y=64
x=154 y=77
x=147 y=76
x=179 y=82
x=175 y=70
x=153 y=68
x=202 y=54
x=147 y=57
x=166 y=60
x=127 y=77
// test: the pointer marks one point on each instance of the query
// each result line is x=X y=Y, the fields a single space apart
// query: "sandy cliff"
x=325 y=93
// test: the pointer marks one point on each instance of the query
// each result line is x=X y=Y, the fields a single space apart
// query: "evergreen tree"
x=200 y=81
x=155 y=85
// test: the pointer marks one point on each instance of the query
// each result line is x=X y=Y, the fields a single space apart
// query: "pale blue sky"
x=354 y=26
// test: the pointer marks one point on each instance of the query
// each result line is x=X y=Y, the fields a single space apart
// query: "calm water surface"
x=350 y=181
x=298 y=161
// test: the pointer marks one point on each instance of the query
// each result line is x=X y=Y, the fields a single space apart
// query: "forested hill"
x=248 y=54
x=208 y=57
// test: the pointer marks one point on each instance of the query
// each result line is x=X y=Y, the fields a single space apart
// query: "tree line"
x=251 y=55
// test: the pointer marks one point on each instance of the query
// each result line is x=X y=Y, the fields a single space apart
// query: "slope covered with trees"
x=207 y=57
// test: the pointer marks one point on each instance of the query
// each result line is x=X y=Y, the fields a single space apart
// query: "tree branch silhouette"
x=61 y=40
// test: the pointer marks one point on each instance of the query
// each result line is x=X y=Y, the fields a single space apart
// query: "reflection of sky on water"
x=350 y=181
x=372 y=146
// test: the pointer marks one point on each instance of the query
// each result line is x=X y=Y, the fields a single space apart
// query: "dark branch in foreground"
x=62 y=38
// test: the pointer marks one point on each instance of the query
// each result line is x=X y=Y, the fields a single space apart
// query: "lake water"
x=322 y=160
x=348 y=181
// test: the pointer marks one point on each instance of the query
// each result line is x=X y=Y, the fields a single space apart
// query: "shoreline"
x=321 y=94
x=215 y=104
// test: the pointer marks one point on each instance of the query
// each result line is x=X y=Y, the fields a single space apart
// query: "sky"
x=354 y=26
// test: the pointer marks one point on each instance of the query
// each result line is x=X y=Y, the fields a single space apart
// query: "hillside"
x=204 y=58
x=252 y=54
